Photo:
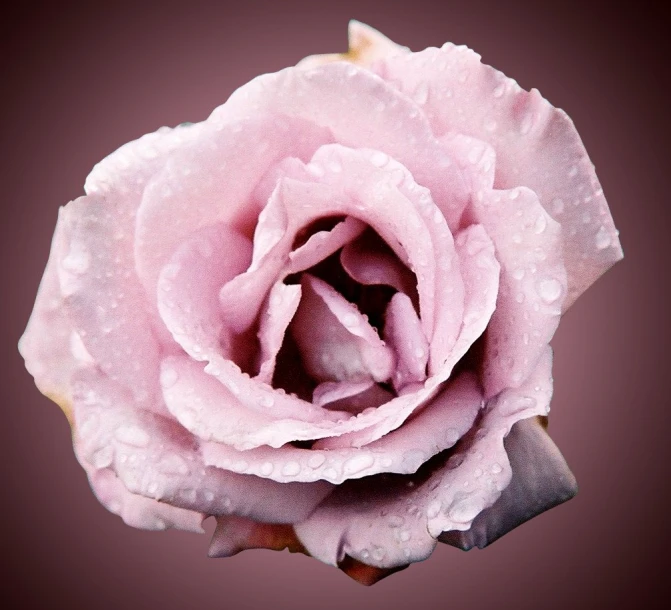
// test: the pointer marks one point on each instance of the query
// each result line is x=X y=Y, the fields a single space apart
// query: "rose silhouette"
x=323 y=314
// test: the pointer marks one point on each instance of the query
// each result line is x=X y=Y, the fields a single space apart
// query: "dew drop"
x=549 y=290
x=291 y=469
x=357 y=463
x=603 y=239
x=433 y=509
x=266 y=469
x=379 y=159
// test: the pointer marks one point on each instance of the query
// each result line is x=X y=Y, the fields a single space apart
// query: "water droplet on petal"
x=291 y=469
x=466 y=509
x=603 y=239
x=549 y=290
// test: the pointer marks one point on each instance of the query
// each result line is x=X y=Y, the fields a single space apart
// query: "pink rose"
x=323 y=314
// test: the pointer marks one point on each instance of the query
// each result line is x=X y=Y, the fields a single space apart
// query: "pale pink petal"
x=541 y=479
x=51 y=348
x=210 y=180
x=536 y=146
x=389 y=521
x=138 y=511
x=188 y=288
x=532 y=287
x=324 y=243
x=366 y=46
x=223 y=404
x=104 y=301
x=480 y=469
x=367 y=263
x=283 y=302
x=439 y=426
x=333 y=391
x=156 y=458
x=335 y=340
x=368 y=400
x=361 y=111
x=122 y=177
x=403 y=333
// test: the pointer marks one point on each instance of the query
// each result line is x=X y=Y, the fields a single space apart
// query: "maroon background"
x=79 y=82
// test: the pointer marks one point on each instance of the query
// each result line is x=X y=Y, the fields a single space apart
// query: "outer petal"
x=388 y=521
x=439 y=426
x=536 y=145
x=49 y=344
x=234 y=534
x=541 y=479
x=154 y=457
x=366 y=46
x=361 y=111
x=104 y=300
x=122 y=177
x=138 y=511
x=532 y=286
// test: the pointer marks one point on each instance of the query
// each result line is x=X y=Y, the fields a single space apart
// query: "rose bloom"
x=323 y=314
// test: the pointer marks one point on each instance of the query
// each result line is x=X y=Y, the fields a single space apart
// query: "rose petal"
x=122 y=177
x=104 y=301
x=367 y=263
x=155 y=458
x=332 y=391
x=532 y=287
x=324 y=243
x=366 y=46
x=404 y=450
x=188 y=288
x=369 y=399
x=361 y=111
x=541 y=479
x=223 y=404
x=138 y=511
x=389 y=521
x=52 y=357
x=403 y=333
x=283 y=302
x=536 y=145
x=235 y=534
x=219 y=174
x=335 y=340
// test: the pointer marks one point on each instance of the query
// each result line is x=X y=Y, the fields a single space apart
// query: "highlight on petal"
x=540 y=481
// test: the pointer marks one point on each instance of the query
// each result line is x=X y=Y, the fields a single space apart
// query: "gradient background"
x=79 y=81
